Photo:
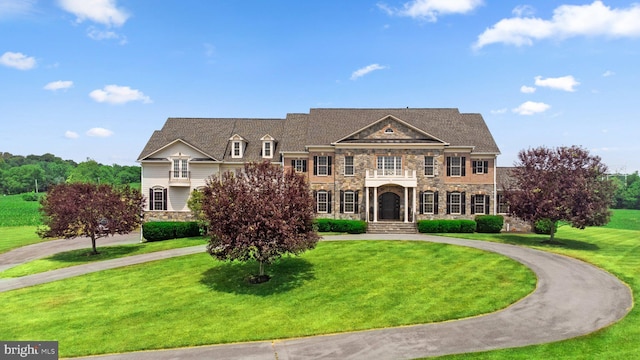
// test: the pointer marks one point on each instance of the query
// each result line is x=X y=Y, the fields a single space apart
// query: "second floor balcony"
x=379 y=177
x=179 y=178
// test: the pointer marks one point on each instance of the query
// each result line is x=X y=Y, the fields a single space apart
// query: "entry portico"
x=376 y=179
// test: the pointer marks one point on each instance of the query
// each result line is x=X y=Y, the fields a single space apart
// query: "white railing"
x=390 y=173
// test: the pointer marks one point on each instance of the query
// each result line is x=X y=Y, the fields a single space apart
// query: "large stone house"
x=399 y=165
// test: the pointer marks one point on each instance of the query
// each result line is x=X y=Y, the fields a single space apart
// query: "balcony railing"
x=379 y=177
x=180 y=178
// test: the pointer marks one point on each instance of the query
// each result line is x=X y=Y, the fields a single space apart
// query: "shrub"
x=338 y=225
x=30 y=196
x=543 y=226
x=489 y=223
x=446 y=226
x=468 y=226
x=165 y=230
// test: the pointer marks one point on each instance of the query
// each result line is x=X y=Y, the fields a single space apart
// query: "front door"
x=389 y=206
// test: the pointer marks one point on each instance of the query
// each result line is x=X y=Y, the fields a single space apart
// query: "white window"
x=388 y=131
x=478 y=203
x=157 y=199
x=267 y=149
x=428 y=203
x=180 y=169
x=503 y=207
x=455 y=166
x=322 y=165
x=349 y=201
x=322 y=202
x=455 y=203
x=349 y=168
x=429 y=166
x=237 y=149
x=299 y=165
x=390 y=165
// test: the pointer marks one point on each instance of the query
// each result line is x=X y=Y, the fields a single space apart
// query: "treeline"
x=20 y=174
x=628 y=193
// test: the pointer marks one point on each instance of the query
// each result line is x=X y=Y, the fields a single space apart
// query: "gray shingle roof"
x=319 y=127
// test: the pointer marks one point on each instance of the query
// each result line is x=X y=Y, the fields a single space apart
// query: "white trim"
x=173 y=142
x=385 y=118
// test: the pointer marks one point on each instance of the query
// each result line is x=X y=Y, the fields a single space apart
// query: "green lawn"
x=194 y=300
x=12 y=237
x=615 y=250
x=625 y=220
x=83 y=256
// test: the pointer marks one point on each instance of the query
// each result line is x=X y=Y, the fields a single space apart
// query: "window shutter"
x=356 y=207
x=293 y=165
x=315 y=165
x=473 y=203
x=485 y=165
x=463 y=164
x=328 y=165
x=486 y=205
x=448 y=202
x=473 y=166
x=150 y=199
x=421 y=198
x=304 y=165
x=329 y=202
x=448 y=166
x=164 y=199
x=463 y=203
x=315 y=199
x=341 y=201
x=435 y=202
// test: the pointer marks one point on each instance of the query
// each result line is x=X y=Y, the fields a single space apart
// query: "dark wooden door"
x=389 y=206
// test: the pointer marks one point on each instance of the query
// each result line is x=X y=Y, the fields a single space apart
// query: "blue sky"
x=93 y=78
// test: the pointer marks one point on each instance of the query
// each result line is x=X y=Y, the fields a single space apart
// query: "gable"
x=390 y=129
x=178 y=148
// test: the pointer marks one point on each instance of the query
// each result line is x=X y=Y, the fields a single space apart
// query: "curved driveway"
x=572 y=298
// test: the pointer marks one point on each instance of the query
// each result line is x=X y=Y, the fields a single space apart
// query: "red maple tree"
x=95 y=211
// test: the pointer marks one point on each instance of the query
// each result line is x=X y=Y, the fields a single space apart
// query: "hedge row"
x=489 y=223
x=335 y=225
x=446 y=226
x=165 y=230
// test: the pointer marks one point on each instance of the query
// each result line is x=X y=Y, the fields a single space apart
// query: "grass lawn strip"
x=84 y=256
x=616 y=251
x=194 y=300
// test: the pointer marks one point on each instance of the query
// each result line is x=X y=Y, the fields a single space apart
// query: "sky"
x=94 y=78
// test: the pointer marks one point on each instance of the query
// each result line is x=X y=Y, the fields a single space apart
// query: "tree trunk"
x=552 y=232
x=93 y=244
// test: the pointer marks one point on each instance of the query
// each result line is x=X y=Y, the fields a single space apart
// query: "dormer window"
x=237 y=146
x=268 y=145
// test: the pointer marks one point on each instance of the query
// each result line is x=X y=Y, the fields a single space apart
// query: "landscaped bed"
x=194 y=300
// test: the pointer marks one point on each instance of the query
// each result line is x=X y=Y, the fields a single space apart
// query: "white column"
x=366 y=191
x=406 y=204
x=413 y=190
x=375 y=204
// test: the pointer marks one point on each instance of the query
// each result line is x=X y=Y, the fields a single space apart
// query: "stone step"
x=391 y=228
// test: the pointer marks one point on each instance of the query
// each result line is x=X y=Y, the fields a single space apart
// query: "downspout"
x=495 y=186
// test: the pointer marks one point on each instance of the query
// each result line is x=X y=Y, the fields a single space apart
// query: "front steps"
x=391 y=227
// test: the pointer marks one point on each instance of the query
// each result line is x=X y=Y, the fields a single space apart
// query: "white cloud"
x=9 y=8
x=523 y=10
x=365 y=70
x=608 y=73
x=99 y=132
x=58 y=85
x=566 y=83
x=499 y=111
x=114 y=94
x=531 y=107
x=594 y=19
x=431 y=9
x=103 y=12
x=18 y=61
x=71 y=134
x=527 y=89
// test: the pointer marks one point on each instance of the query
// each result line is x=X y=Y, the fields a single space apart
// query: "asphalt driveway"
x=573 y=298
